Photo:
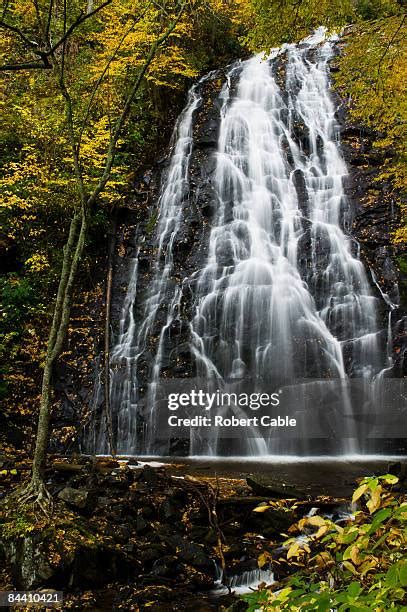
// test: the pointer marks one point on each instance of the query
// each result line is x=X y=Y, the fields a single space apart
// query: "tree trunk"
x=109 y=278
x=72 y=254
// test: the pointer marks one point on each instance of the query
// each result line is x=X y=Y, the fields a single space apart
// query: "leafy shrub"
x=359 y=567
x=18 y=297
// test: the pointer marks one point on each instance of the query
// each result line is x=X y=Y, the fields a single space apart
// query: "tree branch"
x=25 y=66
x=30 y=43
x=102 y=76
x=35 y=48
x=111 y=152
x=47 y=29
x=78 y=21
x=386 y=50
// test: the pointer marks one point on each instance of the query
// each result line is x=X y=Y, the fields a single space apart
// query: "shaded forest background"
x=102 y=56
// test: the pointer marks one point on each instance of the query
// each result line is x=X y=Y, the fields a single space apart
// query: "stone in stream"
x=268 y=486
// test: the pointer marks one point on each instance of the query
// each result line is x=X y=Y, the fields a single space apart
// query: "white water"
x=133 y=339
x=246 y=582
x=283 y=295
x=262 y=310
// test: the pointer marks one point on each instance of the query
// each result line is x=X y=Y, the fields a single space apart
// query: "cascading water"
x=256 y=314
x=282 y=299
x=132 y=340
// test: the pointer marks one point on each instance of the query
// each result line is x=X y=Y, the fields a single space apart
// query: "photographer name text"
x=220 y=421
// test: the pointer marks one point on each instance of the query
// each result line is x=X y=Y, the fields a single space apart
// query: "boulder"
x=74 y=497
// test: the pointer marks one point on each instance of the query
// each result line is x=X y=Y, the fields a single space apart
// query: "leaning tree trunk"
x=72 y=254
x=73 y=251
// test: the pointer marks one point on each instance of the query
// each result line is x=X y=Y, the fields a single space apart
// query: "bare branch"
x=110 y=156
x=39 y=18
x=78 y=21
x=386 y=50
x=104 y=72
x=47 y=29
x=390 y=42
x=35 y=48
x=30 y=43
x=63 y=45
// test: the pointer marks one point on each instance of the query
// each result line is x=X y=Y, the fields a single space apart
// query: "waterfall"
x=133 y=339
x=282 y=299
x=246 y=582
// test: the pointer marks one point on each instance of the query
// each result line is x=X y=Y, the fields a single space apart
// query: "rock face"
x=375 y=217
x=137 y=235
x=371 y=218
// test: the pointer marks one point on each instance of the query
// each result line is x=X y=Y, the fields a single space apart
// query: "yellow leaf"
x=359 y=492
x=293 y=551
x=324 y=559
x=350 y=567
x=321 y=531
x=374 y=502
x=263 y=559
x=261 y=508
x=354 y=555
x=368 y=565
x=318 y=521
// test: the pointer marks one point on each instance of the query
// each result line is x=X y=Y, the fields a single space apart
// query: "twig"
x=379 y=66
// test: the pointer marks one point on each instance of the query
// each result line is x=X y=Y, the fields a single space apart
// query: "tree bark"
x=109 y=279
x=72 y=254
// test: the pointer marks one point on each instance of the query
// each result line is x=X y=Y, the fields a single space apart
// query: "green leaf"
x=403 y=573
x=354 y=589
x=392 y=578
x=379 y=517
x=349 y=537
x=373 y=483
x=389 y=478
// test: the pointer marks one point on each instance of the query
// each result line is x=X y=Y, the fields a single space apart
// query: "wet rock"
x=209 y=134
x=299 y=184
x=120 y=533
x=192 y=554
x=270 y=523
x=191 y=576
x=103 y=502
x=165 y=566
x=152 y=552
x=141 y=524
x=95 y=566
x=208 y=200
x=150 y=476
x=267 y=485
